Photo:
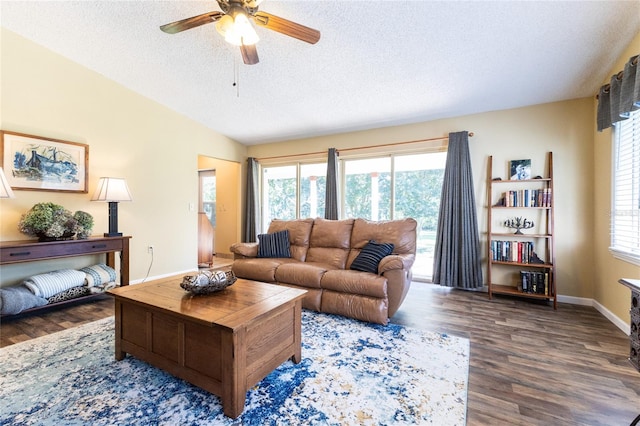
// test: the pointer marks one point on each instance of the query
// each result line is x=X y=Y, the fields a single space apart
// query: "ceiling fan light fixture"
x=237 y=30
x=245 y=32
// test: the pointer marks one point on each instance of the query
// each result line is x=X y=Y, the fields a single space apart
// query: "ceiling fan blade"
x=249 y=54
x=287 y=27
x=195 y=21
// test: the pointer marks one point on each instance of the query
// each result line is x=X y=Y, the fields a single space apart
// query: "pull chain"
x=236 y=76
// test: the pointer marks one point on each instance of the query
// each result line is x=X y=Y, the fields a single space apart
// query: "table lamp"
x=112 y=190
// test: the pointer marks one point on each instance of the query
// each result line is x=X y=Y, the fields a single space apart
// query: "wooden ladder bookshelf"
x=536 y=276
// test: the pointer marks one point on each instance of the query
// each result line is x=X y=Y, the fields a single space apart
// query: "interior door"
x=206 y=216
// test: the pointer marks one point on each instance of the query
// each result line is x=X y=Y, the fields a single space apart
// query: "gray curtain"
x=457 y=251
x=621 y=96
x=251 y=202
x=331 y=193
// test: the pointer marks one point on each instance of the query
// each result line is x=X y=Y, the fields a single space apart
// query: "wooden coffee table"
x=224 y=342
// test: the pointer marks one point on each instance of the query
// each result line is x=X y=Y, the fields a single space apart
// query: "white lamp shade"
x=5 y=188
x=112 y=189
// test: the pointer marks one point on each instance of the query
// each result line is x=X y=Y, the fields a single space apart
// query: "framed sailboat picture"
x=44 y=164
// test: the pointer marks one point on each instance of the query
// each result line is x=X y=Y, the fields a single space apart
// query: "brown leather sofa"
x=322 y=252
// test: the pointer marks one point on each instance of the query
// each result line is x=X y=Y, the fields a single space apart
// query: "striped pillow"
x=99 y=274
x=274 y=245
x=370 y=256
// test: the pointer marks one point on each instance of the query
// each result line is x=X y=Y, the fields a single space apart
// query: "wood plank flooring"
x=529 y=365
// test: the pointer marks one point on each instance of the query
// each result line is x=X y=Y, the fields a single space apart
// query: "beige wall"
x=129 y=136
x=608 y=270
x=563 y=127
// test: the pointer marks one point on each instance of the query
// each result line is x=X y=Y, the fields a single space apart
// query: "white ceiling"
x=378 y=63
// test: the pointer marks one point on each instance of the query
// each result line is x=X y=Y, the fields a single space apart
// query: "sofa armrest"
x=242 y=250
x=396 y=261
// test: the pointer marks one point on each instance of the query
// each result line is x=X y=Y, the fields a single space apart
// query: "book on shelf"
x=513 y=251
x=535 y=282
x=526 y=198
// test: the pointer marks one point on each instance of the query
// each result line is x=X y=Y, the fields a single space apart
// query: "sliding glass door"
x=418 y=184
x=376 y=188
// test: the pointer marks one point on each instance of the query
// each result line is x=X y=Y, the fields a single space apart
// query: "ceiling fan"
x=233 y=23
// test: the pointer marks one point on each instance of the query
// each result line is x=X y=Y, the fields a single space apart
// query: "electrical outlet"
x=150 y=249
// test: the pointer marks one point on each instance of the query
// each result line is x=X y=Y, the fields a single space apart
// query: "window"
x=367 y=192
x=625 y=214
x=313 y=186
x=287 y=196
x=279 y=188
x=418 y=187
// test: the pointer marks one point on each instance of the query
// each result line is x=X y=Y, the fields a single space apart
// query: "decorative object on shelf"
x=5 y=188
x=536 y=259
x=44 y=164
x=84 y=224
x=208 y=281
x=112 y=190
x=519 y=223
x=520 y=169
x=52 y=222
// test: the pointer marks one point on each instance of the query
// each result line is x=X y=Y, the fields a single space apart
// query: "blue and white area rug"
x=352 y=373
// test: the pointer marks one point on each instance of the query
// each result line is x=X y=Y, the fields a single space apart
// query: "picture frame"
x=520 y=169
x=44 y=164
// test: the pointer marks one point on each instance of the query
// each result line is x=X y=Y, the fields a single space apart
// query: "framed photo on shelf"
x=44 y=164
x=520 y=169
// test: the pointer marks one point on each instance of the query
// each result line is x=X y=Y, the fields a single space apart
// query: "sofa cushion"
x=401 y=233
x=355 y=282
x=258 y=269
x=299 y=232
x=370 y=256
x=370 y=309
x=304 y=274
x=330 y=242
x=274 y=245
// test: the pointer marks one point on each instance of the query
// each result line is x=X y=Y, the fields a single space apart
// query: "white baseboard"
x=599 y=307
x=583 y=301
x=158 y=277
x=612 y=317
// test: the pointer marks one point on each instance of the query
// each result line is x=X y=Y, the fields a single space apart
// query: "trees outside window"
x=367 y=191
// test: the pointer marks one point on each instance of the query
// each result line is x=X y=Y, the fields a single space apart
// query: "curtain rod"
x=619 y=76
x=359 y=148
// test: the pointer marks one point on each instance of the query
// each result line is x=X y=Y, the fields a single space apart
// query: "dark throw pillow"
x=370 y=256
x=274 y=245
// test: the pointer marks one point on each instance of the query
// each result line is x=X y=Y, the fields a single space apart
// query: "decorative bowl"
x=207 y=282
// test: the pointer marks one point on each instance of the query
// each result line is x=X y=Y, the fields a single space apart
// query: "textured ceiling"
x=378 y=63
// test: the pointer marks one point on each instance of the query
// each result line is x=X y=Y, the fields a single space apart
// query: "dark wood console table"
x=31 y=251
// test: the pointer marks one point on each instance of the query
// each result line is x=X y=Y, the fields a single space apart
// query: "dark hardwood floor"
x=529 y=365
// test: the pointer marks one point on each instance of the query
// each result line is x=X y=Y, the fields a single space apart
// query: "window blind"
x=625 y=215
